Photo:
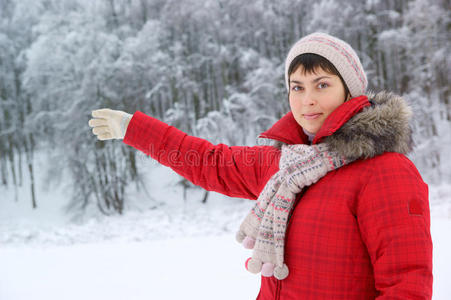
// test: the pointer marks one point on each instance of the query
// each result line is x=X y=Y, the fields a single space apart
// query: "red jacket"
x=360 y=232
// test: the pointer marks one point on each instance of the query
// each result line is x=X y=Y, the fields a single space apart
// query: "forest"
x=212 y=68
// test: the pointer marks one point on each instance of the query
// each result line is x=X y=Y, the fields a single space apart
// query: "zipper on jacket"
x=296 y=201
x=298 y=198
x=278 y=283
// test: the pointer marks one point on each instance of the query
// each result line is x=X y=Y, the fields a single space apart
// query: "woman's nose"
x=308 y=98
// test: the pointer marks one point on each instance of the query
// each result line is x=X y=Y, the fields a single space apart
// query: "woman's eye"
x=323 y=85
x=296 y=88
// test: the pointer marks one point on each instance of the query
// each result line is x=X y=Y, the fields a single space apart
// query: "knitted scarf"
x=264 y=227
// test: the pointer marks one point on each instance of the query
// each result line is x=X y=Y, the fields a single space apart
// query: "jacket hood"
x=362 y=127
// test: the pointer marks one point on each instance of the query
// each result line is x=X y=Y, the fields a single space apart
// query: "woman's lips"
x=311 y=116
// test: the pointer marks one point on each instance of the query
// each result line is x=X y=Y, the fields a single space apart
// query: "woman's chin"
x=310 y=129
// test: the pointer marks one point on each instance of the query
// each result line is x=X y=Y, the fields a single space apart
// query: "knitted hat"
x=338 y=52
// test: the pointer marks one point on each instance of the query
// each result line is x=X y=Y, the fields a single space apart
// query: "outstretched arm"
x=236 y=171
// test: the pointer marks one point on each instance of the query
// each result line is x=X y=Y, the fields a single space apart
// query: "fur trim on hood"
x=356 y=129
x=381 y=127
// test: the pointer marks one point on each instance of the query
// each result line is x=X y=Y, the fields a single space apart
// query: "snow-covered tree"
x=212 y=68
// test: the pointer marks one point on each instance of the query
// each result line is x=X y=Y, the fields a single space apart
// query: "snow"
x=142 y=254
x=440 y=229
x=182 y=249
x=182 y=268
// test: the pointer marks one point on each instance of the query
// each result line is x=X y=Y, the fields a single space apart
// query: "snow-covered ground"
x=181 y=268
x=183 y=249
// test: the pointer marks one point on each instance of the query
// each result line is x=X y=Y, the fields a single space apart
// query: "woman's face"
x=313 y=97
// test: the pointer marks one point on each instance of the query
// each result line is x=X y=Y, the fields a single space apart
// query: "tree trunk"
x=29 y=156
x=204 y=200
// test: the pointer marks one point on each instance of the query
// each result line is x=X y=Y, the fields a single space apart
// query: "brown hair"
x=310 y=62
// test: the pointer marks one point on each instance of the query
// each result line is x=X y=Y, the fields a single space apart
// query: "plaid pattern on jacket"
x=360 y=232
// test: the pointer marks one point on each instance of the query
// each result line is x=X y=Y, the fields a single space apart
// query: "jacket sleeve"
x=393 y=216
x=236 y=171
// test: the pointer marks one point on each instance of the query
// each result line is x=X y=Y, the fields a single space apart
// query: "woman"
x=341 y=212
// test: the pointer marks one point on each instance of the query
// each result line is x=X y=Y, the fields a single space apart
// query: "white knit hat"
x=338 y=52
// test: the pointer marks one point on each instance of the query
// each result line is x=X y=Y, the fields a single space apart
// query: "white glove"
x=109 y=124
